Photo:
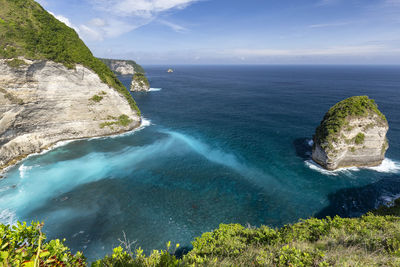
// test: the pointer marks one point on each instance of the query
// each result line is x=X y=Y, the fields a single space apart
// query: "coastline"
x=4 y=169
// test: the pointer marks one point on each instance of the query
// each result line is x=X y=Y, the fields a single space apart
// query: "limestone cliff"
x=352 y=133
x=52 y=88
x=43 y=102
x=140 y=83
x=122 y=67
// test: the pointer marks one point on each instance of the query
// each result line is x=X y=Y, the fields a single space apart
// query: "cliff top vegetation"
x=367 y=241
x=141 y=78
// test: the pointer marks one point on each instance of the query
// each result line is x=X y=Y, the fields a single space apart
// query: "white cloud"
x=97 y=22
x=142 y=8
x=173 y=26
x=90 y=34
x=98 y=29
x=325 y=25
x=116 y=17
x=65 y=20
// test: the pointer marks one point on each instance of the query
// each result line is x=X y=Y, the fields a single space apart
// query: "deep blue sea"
x=219 y=144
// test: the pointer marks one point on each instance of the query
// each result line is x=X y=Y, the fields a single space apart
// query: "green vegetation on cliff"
x=141 y=79
x=367 y=241
x=336 y=117
x=27 y=30
x=135 y=66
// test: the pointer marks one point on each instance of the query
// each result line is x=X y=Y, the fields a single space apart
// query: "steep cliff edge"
x=43 y=102
x=51 y=86
x=140 y=83
x=352 y=133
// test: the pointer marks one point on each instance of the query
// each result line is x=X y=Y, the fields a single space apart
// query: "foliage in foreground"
x=367 y=241
x=27 y=30
x=23 y=245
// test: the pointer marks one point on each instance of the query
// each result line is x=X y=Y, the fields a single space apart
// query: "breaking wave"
x=387 y=166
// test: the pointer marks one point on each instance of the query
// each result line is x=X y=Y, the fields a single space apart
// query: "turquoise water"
x=220 y=144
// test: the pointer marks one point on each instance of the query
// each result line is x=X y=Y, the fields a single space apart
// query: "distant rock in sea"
x=170 y=70
x=351 y=134
x=140 y=83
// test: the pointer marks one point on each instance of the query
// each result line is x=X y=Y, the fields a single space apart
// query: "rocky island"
x=351 y=134
x=51 y=86
x=140 y=83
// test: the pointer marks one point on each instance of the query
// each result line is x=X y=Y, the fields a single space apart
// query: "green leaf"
x=44 y=254
x=28 y=264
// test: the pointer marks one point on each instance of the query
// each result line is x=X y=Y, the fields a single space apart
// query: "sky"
x=236 y=32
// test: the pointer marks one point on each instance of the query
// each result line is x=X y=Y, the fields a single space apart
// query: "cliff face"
x=51 y=86
x=43 y=102
x=352 y=133
x=140 y=83
x=123 y=67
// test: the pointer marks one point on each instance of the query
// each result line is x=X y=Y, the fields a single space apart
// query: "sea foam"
x=387 y=166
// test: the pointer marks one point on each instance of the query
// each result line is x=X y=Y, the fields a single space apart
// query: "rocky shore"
x=43 y=102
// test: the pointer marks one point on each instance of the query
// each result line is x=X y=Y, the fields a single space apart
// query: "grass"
x=359 y=139
x=16 y=63
x=30 y=31
x=96 y=98
x=336 y=118
x=122 y=120
x=371 y=240
x=141 y=79
x=367 y=241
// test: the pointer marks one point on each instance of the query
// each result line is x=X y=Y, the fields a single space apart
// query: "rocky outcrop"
x=140 y=83
x=122 y=67
x=352 y=133
x=43 y=102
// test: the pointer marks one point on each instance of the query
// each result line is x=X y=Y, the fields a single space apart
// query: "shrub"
x=96 y=98
x=141 y=79
x=359 y=139
x=367 y=241
x=23 y=245
x=122 y=120
x=15 y=63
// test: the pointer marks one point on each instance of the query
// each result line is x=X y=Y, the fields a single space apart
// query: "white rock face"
x=347 y=152
x=122 y=67
x=42 y=103
x=137 y=86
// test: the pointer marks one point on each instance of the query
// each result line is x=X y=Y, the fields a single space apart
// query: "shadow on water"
x=302 y=147
x=354 y=202
x=182 y=251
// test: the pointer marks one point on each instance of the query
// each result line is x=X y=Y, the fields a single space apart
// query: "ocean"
x=218 y=144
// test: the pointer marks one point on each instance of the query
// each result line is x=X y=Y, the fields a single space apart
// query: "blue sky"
x=237 y=32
